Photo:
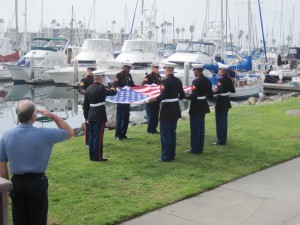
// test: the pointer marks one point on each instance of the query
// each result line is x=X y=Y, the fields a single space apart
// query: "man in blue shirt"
x=28 y=149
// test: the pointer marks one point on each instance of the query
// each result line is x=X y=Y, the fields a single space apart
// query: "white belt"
x=97 y=104
x=224 y=94
x=202 y=97
x=170 y=100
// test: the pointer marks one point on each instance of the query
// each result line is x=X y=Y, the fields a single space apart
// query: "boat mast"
x=281 y=23
x=142 y=21
x=222 y=30
x=249 y=28
x=263 y=34
x=25 y=27
x=17 y=26
x=42 y=15
x=293 y=26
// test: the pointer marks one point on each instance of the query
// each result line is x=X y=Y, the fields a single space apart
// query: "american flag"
x=137 y=95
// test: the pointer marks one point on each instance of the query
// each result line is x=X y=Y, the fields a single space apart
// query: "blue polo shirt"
x=28 y=148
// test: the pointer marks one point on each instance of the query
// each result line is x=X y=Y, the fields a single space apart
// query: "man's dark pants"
x=168 y=139
x=96 y=140
x=122 y=119
x=29 y=199
x=152 y=116
x=197 y=125
x=221 y=127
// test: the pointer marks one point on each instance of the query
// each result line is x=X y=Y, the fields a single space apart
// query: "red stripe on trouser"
x=100 y=147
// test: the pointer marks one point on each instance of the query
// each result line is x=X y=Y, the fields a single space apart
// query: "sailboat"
x=247 y=82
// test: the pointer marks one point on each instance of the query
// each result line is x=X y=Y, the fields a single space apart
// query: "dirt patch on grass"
x=293 y=112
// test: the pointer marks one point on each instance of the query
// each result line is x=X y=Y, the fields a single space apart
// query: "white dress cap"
x=129 y=64
x=169 y=64
x=223 y=66
x=99 y=72
x=197 y=66
x=155 y=64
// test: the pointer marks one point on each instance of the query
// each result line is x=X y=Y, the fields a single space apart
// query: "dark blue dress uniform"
x=122 y=118
x=171 y=88
x=84 y=84
x=225 y=85
x=152 y=109
x=95 y=113
x=201 y=89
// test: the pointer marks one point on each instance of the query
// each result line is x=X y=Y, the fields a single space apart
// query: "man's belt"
x=97 y=104
x=201 y=97
x=224 y=94
x=170 y=100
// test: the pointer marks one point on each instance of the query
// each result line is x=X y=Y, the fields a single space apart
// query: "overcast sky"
x=186 y=13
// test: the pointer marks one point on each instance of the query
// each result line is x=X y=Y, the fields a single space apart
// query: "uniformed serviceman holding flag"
x=224 y=86
x=95 y=113
x=123 y=79
x=152 y=109
x=171 y=89
x=201 y=89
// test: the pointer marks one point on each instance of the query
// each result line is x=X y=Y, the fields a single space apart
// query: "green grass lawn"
x=131 y=182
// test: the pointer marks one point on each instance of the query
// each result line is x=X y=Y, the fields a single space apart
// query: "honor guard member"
x=152 y=109
x=201 y=89
x=87 y=81
x=224 y=86
x=84 y=84
x=123 y=79
x=95 y=113
x=170 y=89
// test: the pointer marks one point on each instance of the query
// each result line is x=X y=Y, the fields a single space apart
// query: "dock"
x=284 y=87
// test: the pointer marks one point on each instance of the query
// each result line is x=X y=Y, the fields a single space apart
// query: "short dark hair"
x=25 y=109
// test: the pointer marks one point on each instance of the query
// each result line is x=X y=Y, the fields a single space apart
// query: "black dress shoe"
x=118 y=138
x=102 y=160
x=125 y=137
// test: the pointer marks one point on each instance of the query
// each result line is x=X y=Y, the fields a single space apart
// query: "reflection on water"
x=64 y=101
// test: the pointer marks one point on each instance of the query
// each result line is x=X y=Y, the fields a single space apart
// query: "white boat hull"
x=22 y=73
x=244 y=88
x=66 y=75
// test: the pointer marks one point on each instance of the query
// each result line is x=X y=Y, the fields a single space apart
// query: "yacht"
x=93 y=52
x=141 y=52
x=45 y=53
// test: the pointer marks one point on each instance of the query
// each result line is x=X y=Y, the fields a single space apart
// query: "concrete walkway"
x=268 y=197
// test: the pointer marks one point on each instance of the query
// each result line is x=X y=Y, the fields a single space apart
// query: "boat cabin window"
x=97 y=45
x=194 y=47
x=139 y=46
x=49 y=44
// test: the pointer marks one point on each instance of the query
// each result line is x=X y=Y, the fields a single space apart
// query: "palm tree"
x=122 y=30
x=80 y=24
x=156 y=31
x=177 y=32
x=274 y=42
x=241 y=33
x=169 y=31
x=182 y=30
x=163 y=34
x=113 y=23
x=150 y=34
x=192 y=29
x=53 y=22
x=231 y=38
